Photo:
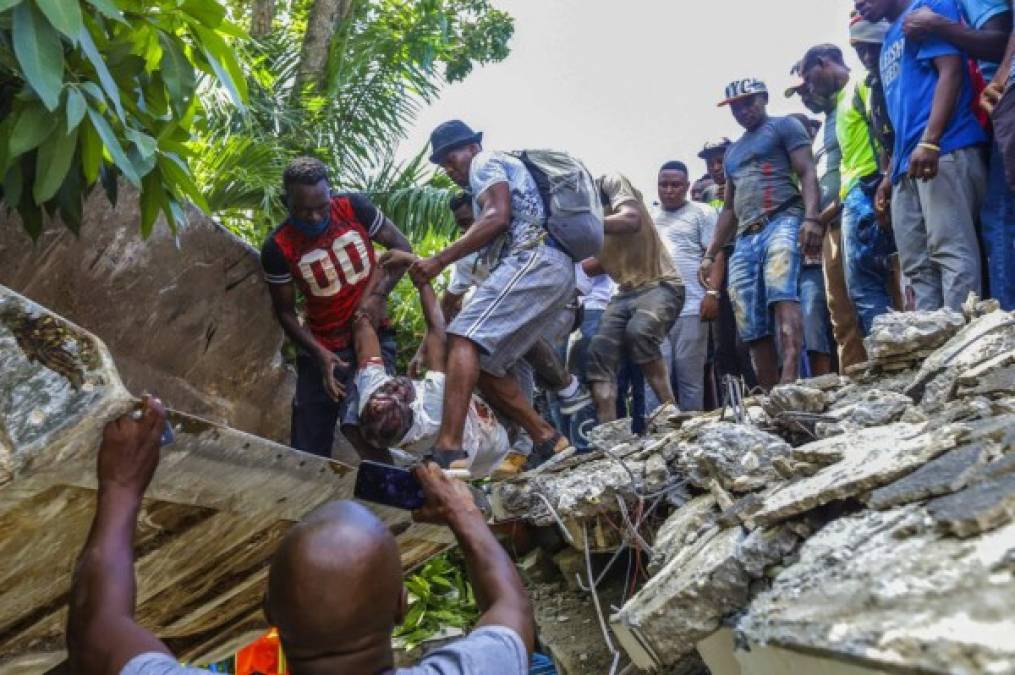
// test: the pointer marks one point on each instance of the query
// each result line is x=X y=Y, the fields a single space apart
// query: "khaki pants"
x=845 y=326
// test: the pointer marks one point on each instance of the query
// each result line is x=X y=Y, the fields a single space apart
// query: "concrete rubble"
x=217 y=507
x=855 y=524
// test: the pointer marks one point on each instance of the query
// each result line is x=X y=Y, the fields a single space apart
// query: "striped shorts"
x=522 y=299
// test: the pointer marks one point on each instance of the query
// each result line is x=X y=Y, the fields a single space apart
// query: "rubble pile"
x=863 y=519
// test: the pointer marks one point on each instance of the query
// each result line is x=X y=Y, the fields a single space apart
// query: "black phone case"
x=388 y=485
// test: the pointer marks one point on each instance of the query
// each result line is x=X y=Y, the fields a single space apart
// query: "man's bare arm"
x=627 y=220
x=987 y=42
x=500 y=594
x=383 y=280
x=493 y=220
x=364 y=335
x=283 y=299
x=102 y=635
x=435 y=339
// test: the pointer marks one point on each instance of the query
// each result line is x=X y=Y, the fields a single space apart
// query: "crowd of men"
x=773 y=265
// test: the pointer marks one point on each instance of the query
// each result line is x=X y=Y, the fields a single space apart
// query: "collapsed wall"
x=187 y=316
x=862 y=521
x=220 y=501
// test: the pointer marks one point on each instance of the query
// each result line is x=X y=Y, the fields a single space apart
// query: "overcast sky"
x=626 y=85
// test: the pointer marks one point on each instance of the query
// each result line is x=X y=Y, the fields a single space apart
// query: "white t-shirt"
x=484 y=438
x=595 y=292
x=687 y=233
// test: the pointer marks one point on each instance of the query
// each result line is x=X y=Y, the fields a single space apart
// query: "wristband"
x=929 y=146
x=714 y=293
x=708 y=257
x=813 y=220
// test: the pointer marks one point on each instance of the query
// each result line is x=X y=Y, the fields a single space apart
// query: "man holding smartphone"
x=335 y=588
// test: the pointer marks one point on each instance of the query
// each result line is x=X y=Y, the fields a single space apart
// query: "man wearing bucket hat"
x=772 y=207
x=938 y=175
x=530 y=285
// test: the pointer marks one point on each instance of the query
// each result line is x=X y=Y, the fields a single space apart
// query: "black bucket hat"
x=449 y=136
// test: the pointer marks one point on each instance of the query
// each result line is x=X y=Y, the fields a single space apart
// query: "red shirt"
x=331 y=269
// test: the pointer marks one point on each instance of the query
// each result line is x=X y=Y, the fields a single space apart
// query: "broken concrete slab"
x=738 y=456
x=943 y=475
x=982 y=339
x=864 y=466
x=978 y=508
x=830 y=450
x=902 y=333
x=882 y=589
x=217 y=491
x=674 y=533
x=873 y=407
x=683 y=604
x=186 y=314
x=794 y=398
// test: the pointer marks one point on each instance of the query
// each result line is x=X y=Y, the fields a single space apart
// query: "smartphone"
x=388 y=485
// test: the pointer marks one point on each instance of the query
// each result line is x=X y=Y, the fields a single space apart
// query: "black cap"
x=715 y=148
x=449 y=136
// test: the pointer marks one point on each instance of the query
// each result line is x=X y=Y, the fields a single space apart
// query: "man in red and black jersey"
x=325 y=249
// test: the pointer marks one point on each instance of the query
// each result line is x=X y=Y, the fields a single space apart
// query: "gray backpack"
x=574 y=213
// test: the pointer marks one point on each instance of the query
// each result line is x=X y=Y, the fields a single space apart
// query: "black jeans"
x=315 y=413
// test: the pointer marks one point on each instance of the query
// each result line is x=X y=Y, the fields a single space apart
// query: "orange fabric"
x=263 y=656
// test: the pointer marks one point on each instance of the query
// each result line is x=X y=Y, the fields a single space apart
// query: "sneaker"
x=579 y=425
x=581 y=398
x=512 y=466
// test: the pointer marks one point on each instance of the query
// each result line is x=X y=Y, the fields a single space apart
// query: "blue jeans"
x=997 y=229
x=764 y=270
x=867 y=250
x=814 y=308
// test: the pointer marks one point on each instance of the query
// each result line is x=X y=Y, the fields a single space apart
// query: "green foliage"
x=90 y=91
x=388 y=58
x=440 y=595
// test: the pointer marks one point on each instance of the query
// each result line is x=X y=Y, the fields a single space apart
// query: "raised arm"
x=500 y=594
x=383 y=280
x=435 y=339
x=102 y=635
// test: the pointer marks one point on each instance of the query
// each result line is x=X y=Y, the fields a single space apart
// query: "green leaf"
x=145 y=144
x=153 y=199
x=177 y=72
x=108 y=9
x=113 y=145
x=31 y=218
x=52 y=164
x=217 y=51
x=178 y=174
x=7 y=4
x=65 y=15
x=76 y=106
x=13 y=184
x=207 y=12
x=39 y=51
x=34 y=124
x=91 y=152
x=105 y=78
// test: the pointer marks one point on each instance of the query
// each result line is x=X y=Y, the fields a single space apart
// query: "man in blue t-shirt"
x=771 y=204
x=983 y=34
x=938 y=176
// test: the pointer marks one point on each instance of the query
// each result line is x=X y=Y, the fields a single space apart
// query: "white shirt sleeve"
x=368 y=380
x=155 y=663
x=487 y=170
x=491 y=650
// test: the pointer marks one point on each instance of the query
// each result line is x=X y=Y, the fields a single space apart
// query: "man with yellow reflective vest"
x=867 y=248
